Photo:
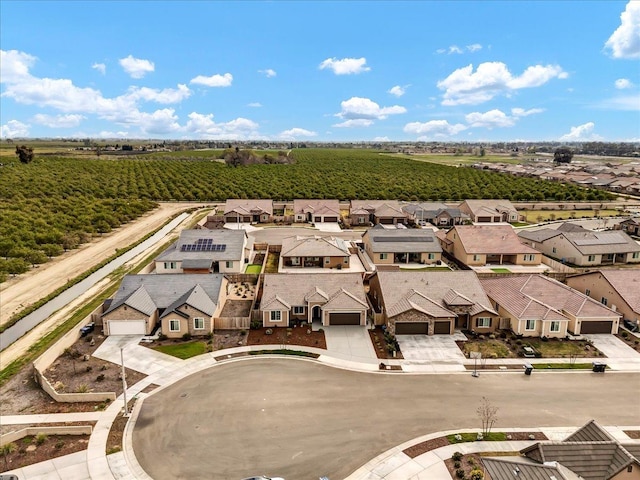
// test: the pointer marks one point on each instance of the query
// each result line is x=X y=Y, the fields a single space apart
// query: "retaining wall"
x=64 y=430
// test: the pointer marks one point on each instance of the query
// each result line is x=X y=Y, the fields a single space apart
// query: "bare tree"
x=488 y=415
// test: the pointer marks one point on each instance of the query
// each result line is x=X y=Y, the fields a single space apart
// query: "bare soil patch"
x=218 y=340
x=236 y=308
x=380 y=345
x=302 y=336
x=30 y=450
x=116 y=432
x=629 y=339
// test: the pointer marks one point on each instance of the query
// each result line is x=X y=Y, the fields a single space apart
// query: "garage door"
x=126 y=327
x=442 y=327
x=596 y=327
x=417 y=328
x=330 y=219
x=344 y=318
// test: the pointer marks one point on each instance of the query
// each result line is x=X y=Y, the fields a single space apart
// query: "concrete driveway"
x=619 y=355
x=136 y=357
x=432 y=348
x=350 y=342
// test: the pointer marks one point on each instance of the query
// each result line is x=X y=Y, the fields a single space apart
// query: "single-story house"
x=436 y=213
x=248 y=211
x=428 y=303
x=386 y=212
x=477 y=245
x=315 y=252
x=618 y=289
x=631 y=225
x=206 y=251
x=590 y=453
x=402 y=246
x=539 y=306
x=576 y=245
x=181 y=303
x=316 y=211
x=332 y=299
x=490 y=211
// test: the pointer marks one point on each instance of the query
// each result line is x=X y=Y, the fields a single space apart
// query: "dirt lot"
x=30 y=449
x=236 y=308
x=287 y=336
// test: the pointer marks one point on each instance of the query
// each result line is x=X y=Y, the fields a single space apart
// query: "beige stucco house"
x=428 y=303
x=331 y=299
x=539 y=306
x=618 y=289
x=316 y=211
x=315 y=252
x=248 y=211
x=180 y=303
x=386 y=212
x=402 y=246
x=490 y=211
x=477 y=245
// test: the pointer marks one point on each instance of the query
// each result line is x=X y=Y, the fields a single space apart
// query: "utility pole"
x=124 y=383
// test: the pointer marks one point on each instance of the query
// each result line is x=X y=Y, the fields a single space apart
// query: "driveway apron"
x=136 y=357
x=349 y=341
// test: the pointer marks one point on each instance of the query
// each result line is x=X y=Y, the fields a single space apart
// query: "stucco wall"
x=127 y=313
x=599 y=288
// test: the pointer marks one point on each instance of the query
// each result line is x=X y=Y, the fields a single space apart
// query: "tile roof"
x=314 y=246
x=626 y=281
x=427 y=209
x=540 y=297
x=147 y=293
x=298 y=290
x=589 y=243
x=501 y=469
x=233 y=240
x=490 y=206
x=539 y=236
x=401 y=288
x=373 y=205
x=248 y=206
x=386 y=210
x=196 y=298
x=490 y=239
x=591 y=432
x=402 y=240
x=314 y=205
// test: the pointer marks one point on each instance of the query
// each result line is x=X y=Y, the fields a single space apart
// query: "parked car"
x=262 y=477
x=87 y=329
x=630 y=325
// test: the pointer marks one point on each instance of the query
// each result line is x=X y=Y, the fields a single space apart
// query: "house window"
x=432 y=256
x=174 y=325
x=555 y=326
x=530 y=325
x=295 y=260
x=229 y=264
x=591 y=258
x=587 y=292
x=484 y=322
x=297 y=310
x=198 y=323
x=383 y=256
x=276 y=316
x=604 y=301
x=529 y=257
x=327 y=260
x=476 y=258
x=346 y=260
x=554 y=250
x=170 y=265
x=361 y=220
x=635 y=255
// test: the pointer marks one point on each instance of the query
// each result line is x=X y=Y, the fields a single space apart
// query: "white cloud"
x=398 y=90
x=623 y=83
x=214 y=80
x=381 y=139
x=166 y=95
x=345 y=66
x=59 y=121
x=269 y=72
x=625 y=41
x=203 y=126
x=581 y=132
x=434 y=128
x=354 y=123
x=101 y=67
x=625 y=103
x=521 y=112
x=296 y=132
x=491 y=119
x=15 y=65
x=159 y=122
x=136 y=67
x=254 y=105
x=474 y=47
x=458 y=50
x=466 y=87
x=358 y=108
x=14 y=128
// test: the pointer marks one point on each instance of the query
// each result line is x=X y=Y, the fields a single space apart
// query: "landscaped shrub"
x=476 y=474
x=162 y=336
x=456 y=457
x=100 y=377
x=186 y=336
x=41 y=438
x=460 y=473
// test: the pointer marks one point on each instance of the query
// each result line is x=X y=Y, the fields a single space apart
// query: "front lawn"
x=562 y=366
x=512 y=347
x=488 y=348
x=562 y=348
x=183 y=350
x=500 y=270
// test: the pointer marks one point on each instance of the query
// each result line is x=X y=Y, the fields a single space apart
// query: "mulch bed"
x=380 y=345
x=116 y=432
x=428 y=445
x=630 y=340
x=302 y=336
x=634 y=434
x=28 y=452
x=497 y=367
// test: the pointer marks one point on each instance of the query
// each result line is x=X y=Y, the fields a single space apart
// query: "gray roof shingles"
x=234 y=241
x=403 y=241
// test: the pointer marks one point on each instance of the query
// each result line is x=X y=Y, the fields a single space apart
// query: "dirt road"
x=23 y=290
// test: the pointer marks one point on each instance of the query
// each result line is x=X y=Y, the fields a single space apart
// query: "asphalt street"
x=300 y=419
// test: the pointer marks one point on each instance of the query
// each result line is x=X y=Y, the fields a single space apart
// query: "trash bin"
x=599 y=367
x=528 y=368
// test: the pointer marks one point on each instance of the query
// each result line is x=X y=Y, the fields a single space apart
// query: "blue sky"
x=324 y=71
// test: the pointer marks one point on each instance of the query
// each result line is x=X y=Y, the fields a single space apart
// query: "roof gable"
x=490 y=239
x=343 y=299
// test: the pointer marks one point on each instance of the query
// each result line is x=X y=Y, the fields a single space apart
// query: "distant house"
x=618 y=289
x=402 y=246
x=316 y=211
x=538 y=306
x=477 y=245
x=490 y=211
x=574 y=244
x=428 y=303
x=631 y=226
x=206 y=251
x=315 y=252
x=386 y=212
x=437 y=214
x=590 y=453
x=180 y=303
x=248 y=211
x=332 y=299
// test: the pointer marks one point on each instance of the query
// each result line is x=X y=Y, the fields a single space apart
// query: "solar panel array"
x=395 y=239
x=203 y=245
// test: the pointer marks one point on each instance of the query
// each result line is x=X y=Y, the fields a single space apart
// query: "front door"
x=316 y=313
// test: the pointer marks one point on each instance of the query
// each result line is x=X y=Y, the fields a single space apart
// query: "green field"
x=58 y=202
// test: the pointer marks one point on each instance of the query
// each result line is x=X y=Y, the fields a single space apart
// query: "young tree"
x=563 y=155
x=488 y=415
x=25 y=154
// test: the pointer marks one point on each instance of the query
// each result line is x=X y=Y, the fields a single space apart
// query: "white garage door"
x=126 y=327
